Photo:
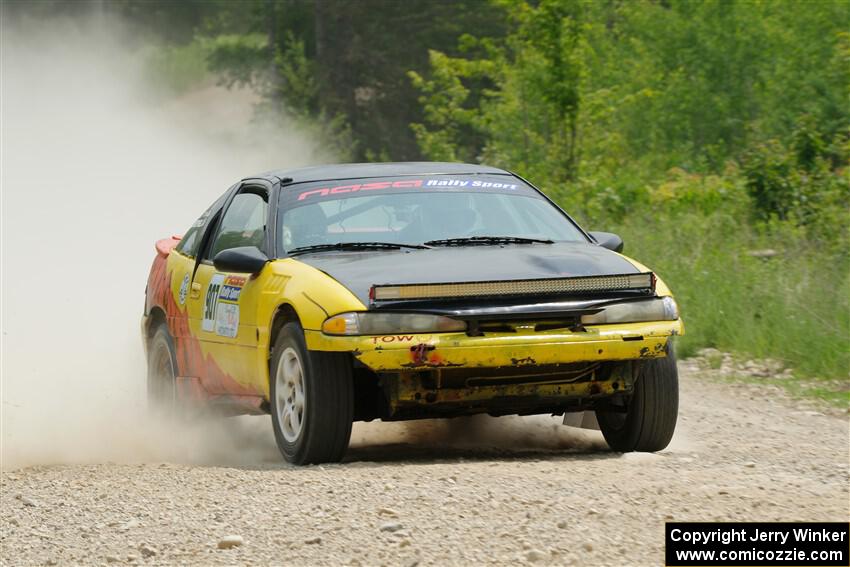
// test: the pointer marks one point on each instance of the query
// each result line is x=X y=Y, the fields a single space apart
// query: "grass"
x=793 y=307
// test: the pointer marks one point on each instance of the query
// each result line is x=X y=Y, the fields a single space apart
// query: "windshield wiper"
x=352 y=246
x=486 y=241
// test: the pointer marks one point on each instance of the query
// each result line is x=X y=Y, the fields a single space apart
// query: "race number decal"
x=211 y=302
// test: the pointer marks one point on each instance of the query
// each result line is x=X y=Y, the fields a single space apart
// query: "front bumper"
x=389 y=353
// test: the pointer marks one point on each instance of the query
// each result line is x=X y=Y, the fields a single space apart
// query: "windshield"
x=414 y=211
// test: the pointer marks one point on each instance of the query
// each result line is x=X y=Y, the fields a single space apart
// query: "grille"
x=569 y=286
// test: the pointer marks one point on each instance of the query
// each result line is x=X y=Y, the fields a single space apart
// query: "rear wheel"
x=648 y=420
x=311 y=400
x=162 y=373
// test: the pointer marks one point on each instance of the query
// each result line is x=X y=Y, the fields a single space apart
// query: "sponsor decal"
x=227 y=319
x=184 y=289
x=231 y=289
x=358 y=187
x=478 y=183
x=429 y=183
x=221 y=305
x=229 y=293
x=392 y=339
x=227 y=314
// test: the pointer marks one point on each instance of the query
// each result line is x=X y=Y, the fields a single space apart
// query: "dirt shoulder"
x=470 y=492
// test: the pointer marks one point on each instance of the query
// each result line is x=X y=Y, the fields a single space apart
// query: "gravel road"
x=474 y=491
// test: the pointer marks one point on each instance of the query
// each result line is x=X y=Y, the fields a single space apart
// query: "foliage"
x=239 y=59
x=342 y=63
x=700 y=130
x=671 y=84
x=799 y=183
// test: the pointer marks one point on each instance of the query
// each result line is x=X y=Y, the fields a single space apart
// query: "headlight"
x=662 y=309
x=371 y=323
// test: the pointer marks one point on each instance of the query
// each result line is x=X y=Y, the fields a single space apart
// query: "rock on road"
x=514 y=491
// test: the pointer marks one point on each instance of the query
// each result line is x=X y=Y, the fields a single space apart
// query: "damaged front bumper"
x=398 y=353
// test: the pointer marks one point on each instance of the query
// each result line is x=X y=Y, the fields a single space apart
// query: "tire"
x=649 y=421
x=311 y=399
x=162 y=373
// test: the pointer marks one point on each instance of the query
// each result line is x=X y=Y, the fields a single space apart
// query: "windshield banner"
x=301 y=194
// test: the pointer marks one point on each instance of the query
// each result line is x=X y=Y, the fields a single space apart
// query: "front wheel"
x=648 y=420
x=311 y=400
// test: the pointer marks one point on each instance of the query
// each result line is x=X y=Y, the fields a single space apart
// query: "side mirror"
x=608 y=240
x=242 y=260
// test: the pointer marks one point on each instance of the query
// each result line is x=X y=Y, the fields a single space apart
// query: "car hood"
x=359 y=271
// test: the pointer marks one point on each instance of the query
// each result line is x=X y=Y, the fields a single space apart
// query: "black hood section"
x=359 y=271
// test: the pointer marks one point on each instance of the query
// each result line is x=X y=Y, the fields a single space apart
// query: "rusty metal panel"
x=409 y=389
x=449 y=350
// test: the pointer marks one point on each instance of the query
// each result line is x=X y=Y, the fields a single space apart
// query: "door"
x=223 y=305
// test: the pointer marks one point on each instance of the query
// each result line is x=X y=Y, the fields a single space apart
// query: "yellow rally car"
x=402 y=291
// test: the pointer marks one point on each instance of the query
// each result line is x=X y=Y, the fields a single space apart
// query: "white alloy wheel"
x=289 y=386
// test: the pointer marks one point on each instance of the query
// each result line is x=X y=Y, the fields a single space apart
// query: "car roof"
x=362 y=170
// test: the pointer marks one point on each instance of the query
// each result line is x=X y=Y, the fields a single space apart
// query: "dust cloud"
x=97 y=165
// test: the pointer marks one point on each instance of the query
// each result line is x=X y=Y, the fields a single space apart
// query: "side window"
x=243 y=224
x=188 y=245
x=191 y=241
